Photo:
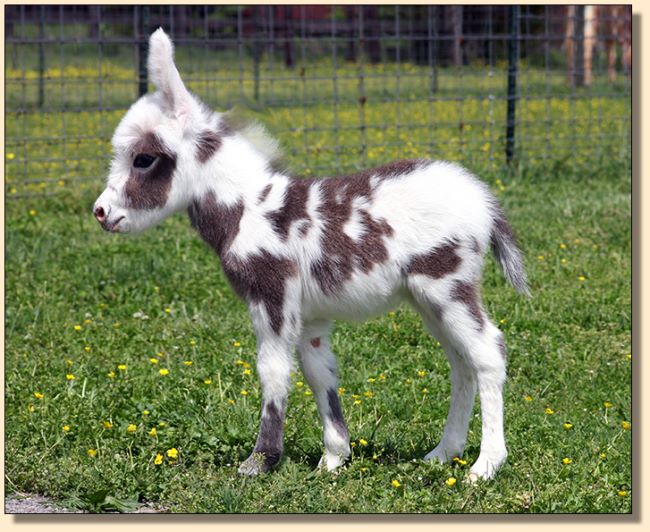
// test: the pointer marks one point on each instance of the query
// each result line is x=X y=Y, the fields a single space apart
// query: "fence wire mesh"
x=343 y=87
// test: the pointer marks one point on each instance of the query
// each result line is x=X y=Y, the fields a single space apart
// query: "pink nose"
x=99 y=214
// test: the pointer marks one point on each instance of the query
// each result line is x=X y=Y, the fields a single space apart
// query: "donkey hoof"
x=253 y=465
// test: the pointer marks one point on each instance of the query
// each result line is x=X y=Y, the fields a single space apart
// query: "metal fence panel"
x=343 y=87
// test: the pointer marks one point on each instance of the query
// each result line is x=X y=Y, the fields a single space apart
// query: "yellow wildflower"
x=77 y=327
x=607 y=404
x=626 y=425
x=236 y=344
x=622 y=493
x=362 y=442
x=110 y=374
x=188 y=362
x=70 y=377
x=451 y=481
x=395 y=483
x=566 y=461
x=131 y=428
x=422 y=373
x=568 y=425
x=341 y=391
x=91 y=452
x=153 y=360
x=66 y=428
x=207 y=381
x=528 y=398
x=38 y=395
x=582 y=278
x=153 y=432
x=122 y=367
x=158 y=459
x=549 y=411
x=107 y=424
x=163 y=371
x=244 y=393
x=172 y=453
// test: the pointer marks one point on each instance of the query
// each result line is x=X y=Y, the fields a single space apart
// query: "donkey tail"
x=506 y=251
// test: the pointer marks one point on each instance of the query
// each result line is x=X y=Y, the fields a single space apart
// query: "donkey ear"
x=164 y=75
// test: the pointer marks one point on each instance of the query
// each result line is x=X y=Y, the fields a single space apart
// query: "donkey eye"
x=143 y=160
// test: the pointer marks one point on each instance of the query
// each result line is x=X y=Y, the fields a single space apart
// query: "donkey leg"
x=274 y=365
x=463 y=381
x=463 y=393
x=478 y=344
x=318 y=365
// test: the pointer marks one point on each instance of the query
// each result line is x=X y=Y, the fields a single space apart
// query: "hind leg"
x=463 y=386
x=460 y=322
x=318 y=365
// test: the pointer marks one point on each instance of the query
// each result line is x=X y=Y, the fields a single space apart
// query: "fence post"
x=41 y=58
x=143 y=46
x=513 y=57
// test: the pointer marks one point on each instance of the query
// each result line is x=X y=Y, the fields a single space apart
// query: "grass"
x=109 y=337
x=87 y=314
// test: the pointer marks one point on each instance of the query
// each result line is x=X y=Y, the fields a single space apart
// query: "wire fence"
x=343 y=87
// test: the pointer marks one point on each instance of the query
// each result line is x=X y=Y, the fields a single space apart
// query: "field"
x=130 y=364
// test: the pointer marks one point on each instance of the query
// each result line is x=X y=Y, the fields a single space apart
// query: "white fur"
x=426 y=209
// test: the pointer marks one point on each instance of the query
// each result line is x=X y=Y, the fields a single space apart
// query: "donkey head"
x=154 y=149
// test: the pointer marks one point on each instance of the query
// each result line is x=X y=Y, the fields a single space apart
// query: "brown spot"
x=466 y=293
x=336 y=414
x=217 y=224
x=265 y=192
x=502 y=348
x=341 y=254
x=304 y=228
x=438 y=263
x=207 y=144
x=315 y=342
x=392 y=169
x=148 y=188
x=270 y=438
x=476 y=248
x=261 y=278
x=293 y=209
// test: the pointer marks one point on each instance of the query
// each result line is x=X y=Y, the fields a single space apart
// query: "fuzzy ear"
x=164 y=75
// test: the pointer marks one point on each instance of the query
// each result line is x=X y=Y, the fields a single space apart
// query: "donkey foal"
x=303 y=252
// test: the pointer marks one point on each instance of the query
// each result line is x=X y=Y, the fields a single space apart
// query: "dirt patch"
x=39 y=504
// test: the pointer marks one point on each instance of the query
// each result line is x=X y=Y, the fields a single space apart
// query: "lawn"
x=129 y=362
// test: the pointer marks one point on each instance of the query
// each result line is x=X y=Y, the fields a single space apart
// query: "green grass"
x=568 y=345
x=81 y=304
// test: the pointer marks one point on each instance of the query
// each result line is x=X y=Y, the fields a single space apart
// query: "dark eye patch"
x=151 y=173
x=143 y=160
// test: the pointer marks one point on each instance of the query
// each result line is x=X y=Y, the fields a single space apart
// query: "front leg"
x=274 y=364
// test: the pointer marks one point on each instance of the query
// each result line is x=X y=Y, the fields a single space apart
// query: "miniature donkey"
x=303 y=252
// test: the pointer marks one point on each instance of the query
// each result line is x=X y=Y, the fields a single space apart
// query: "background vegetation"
x=130 y=363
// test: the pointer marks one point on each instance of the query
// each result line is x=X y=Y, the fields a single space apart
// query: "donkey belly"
x=363 y=296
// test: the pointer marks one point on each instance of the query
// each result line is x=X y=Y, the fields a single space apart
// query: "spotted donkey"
x=303 y=252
